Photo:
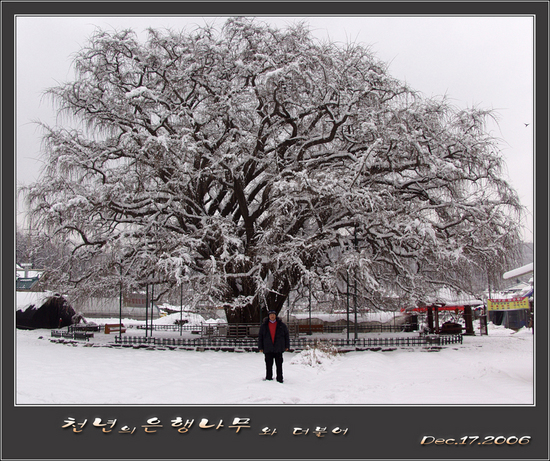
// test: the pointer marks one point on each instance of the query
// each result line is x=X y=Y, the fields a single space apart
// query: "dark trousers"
x=269 y=357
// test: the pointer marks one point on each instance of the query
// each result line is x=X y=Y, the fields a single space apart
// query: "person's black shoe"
x=268 y=379
x=280 y=381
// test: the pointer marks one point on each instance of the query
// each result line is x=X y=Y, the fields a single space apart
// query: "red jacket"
x=282 y=338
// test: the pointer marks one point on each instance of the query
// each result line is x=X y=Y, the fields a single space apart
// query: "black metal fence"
x=186 y=327
x=250 y=344
x=74 y=334
x=241 y=330
x=364 y=328
x=83 y=327
x=233 y=330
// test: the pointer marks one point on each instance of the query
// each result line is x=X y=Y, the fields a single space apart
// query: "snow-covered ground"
x=497 y=369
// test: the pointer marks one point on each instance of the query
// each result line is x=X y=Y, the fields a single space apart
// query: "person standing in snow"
x=273 y=340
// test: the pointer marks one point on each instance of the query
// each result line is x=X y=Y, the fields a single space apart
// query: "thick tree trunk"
x=257 y=310
x=243 y=314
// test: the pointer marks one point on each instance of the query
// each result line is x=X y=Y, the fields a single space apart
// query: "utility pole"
x=146 y=308
x=309 y=308
x=355 y=284
x=152 y=304
x=347 y=306
x=355 y=307
x=120 y=307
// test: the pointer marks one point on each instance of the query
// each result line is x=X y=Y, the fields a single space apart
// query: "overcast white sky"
x=483 y=61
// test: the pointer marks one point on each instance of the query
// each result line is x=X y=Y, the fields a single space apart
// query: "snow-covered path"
x=484 y=370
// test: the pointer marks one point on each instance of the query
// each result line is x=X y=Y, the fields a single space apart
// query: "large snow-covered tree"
x=254 y=159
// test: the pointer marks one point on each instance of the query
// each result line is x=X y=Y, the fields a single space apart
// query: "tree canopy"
x=252 y=159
